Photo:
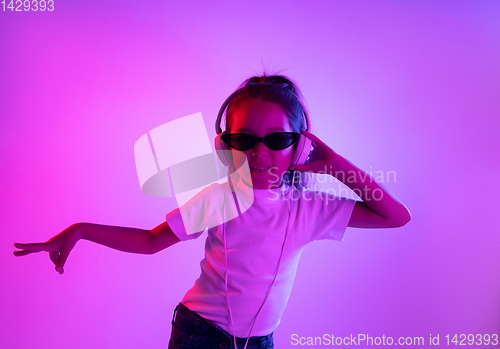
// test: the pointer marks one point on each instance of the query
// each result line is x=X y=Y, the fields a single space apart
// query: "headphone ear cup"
x=301 y=152
x=223 y=152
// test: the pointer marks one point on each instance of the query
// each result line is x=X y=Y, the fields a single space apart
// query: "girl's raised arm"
x=379 y=208
x=119 y=238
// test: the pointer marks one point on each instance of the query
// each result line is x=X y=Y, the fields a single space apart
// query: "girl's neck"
x=271 y=185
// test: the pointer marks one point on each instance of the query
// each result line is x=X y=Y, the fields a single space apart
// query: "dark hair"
x=280 y=90
x=272 y=88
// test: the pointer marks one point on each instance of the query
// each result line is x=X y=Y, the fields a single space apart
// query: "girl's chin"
x=262 y=180
x=265 y=183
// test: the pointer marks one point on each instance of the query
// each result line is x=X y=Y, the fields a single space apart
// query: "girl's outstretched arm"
x=119 y=238
x=379 y=208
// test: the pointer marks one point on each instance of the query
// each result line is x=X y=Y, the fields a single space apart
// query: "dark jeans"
x=191 y=331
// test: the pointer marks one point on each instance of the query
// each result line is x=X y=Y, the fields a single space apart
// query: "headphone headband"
x=218 y=129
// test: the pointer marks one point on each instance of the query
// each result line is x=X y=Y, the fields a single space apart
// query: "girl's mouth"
x=259 y=169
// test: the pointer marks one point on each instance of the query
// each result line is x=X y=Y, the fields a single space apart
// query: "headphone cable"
x=225 y=255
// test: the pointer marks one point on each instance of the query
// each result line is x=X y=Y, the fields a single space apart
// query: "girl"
x=258 y=222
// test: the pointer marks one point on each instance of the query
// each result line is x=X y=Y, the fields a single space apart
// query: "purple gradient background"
x=405 y=86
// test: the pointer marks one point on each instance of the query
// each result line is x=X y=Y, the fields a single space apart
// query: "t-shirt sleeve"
x=327 y=215
x=189 y=221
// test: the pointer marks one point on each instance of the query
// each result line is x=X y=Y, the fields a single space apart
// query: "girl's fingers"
x=58 y=258
x=312 y=137
x=65 y=250
x=36 y=247
x=22 y=253
x=29 y=248
x=54 y=256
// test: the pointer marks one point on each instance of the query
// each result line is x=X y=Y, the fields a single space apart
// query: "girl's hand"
x=58 y=247
x=322 y=157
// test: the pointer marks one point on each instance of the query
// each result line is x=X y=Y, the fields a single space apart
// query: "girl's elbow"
x=403 y=218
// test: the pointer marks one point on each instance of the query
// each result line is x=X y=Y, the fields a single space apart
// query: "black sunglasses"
x=274 y=141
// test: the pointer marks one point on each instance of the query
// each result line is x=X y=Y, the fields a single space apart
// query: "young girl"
x=258 y=222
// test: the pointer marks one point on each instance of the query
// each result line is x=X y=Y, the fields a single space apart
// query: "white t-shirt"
x=254 y=239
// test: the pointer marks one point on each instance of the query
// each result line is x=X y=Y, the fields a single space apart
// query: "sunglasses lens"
x=274 y=141
x=239 y=141
x=279 y=141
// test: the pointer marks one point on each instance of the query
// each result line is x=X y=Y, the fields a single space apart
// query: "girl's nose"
x=259 y=150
